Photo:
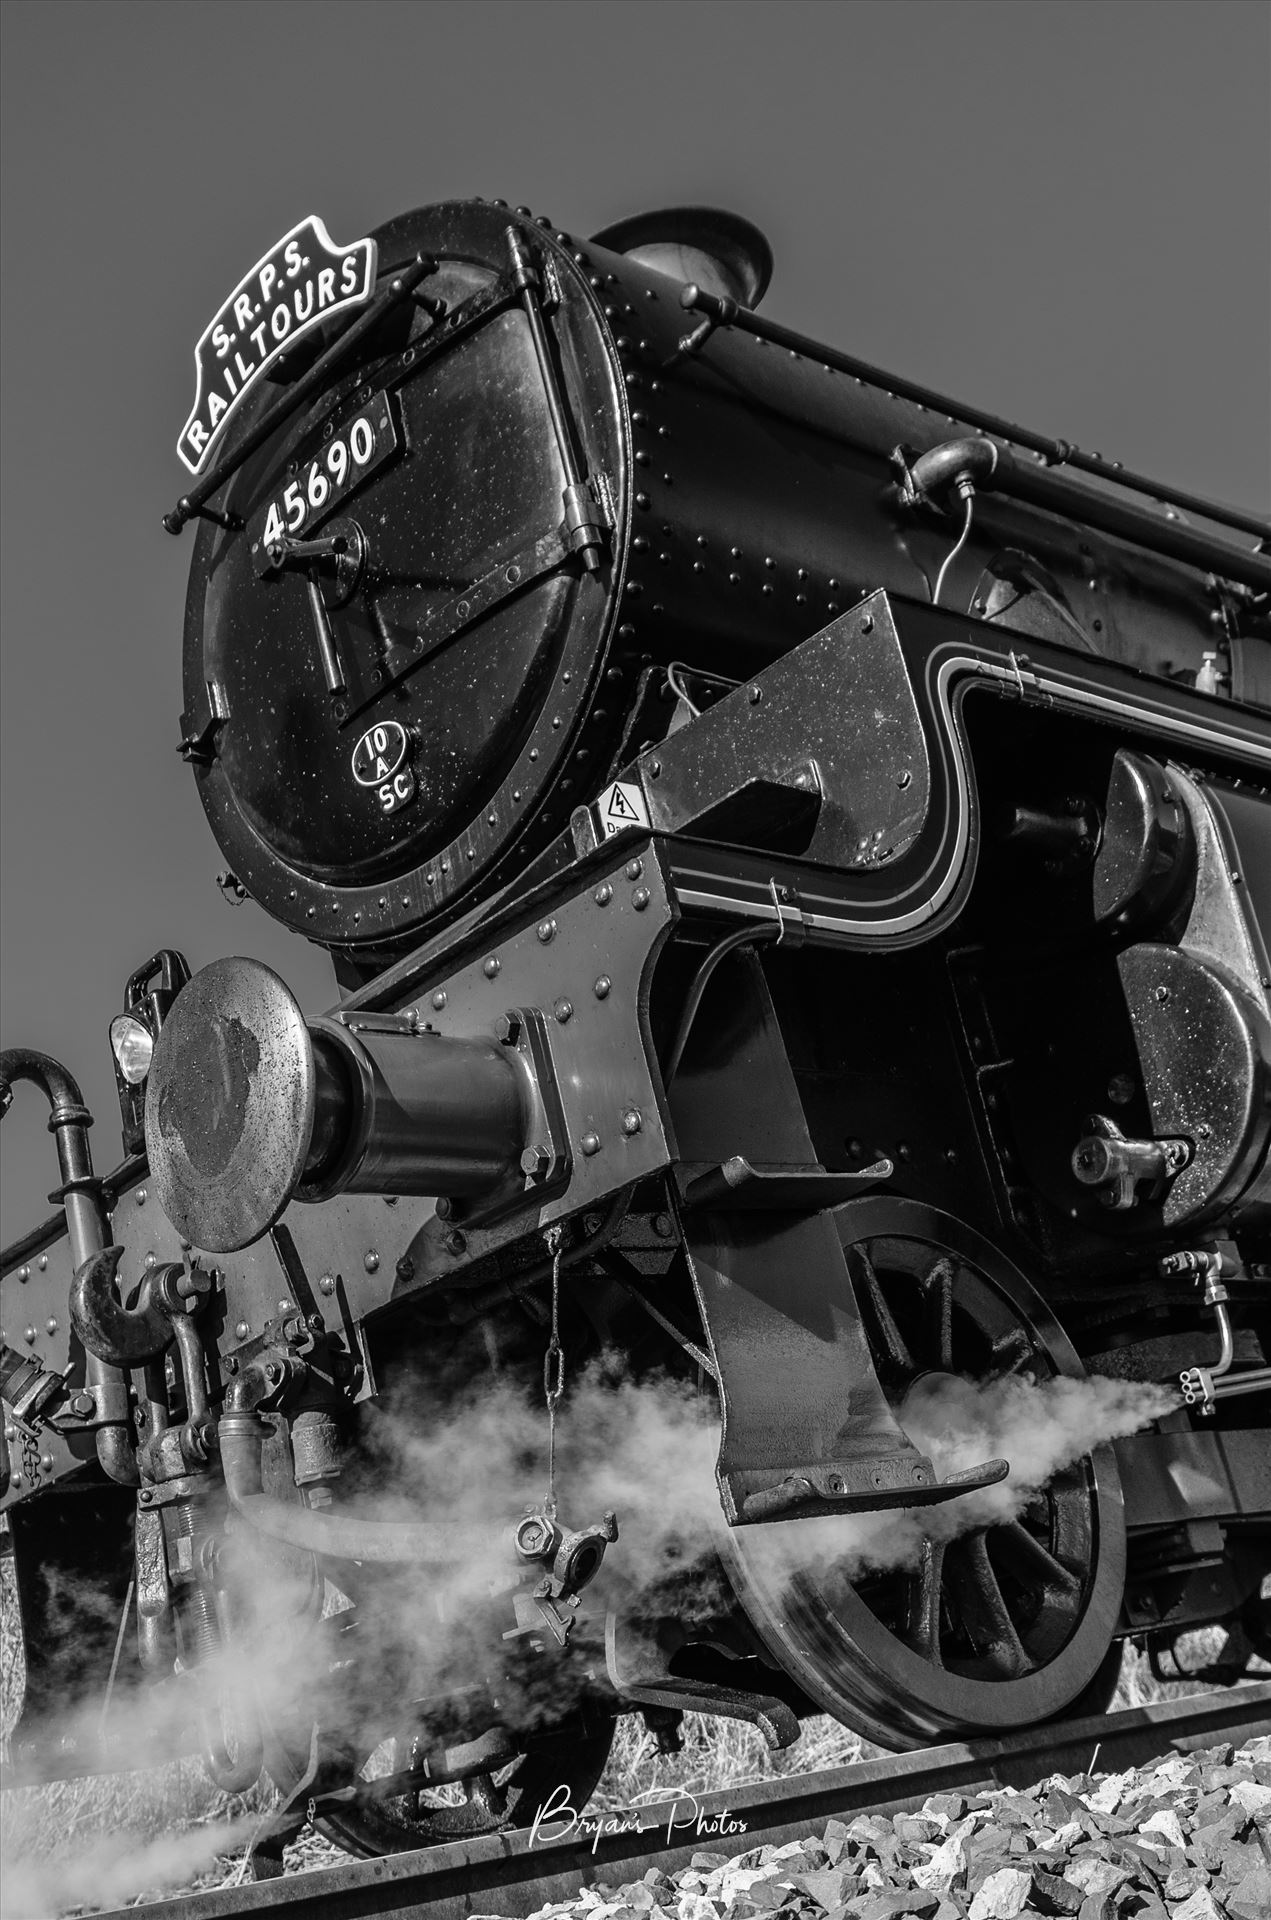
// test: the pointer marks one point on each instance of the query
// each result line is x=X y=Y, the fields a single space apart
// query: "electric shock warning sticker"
x=300 y=282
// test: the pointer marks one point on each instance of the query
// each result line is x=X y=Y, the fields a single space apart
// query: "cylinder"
x=414 y=1113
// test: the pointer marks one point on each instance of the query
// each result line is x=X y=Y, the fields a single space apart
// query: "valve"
x=571 y=1561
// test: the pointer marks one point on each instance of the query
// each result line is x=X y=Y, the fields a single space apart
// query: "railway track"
x=515 y=1873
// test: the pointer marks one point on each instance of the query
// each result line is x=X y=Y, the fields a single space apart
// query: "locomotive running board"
x=806 y=1428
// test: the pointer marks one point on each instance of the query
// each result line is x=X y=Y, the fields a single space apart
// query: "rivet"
x=655 y=768
x=590 y=1143
x=632 y=1120
x=564 y=1011
x=141 y=1196
x=755 y=695
x=24 y=1273
x=242 y=1330
x=371 y=1260
x=490 y=965
x=546 y=930
x=634 y=869
x=603 y=895
x=640 y=899
x=327 y=1284
x=30 y=1336
x=663 y=1225
x=903 y=779
x=867 y=623
x=439 y=999
x=642 y=501
x=602 y=986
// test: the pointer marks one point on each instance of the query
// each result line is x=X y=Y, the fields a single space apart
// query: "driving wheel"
x=1005 y=1624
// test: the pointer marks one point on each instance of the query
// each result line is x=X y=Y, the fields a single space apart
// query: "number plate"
x=340 y=466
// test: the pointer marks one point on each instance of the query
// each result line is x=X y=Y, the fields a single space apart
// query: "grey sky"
x=1060 y=211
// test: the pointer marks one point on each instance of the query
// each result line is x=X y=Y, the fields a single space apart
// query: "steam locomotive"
x=795 y=854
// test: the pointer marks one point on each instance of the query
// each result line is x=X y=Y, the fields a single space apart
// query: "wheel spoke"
x=941 y=1276
x=889 y=1334
x=1010 y=1353
x=924 y=1590
x=1037 y=1563
x=482 y=1790
x=984 y=1608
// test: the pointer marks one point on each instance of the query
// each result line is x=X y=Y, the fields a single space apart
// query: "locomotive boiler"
x=795 y=854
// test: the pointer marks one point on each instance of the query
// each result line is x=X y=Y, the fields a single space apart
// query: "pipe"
x=86 y=1227
x=1056 y=453
x=338 y=1536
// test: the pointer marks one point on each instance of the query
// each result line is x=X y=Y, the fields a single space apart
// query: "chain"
x=553 y=1367
x=30 y=1447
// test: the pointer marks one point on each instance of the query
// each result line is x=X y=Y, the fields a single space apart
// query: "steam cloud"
x=646 y=1450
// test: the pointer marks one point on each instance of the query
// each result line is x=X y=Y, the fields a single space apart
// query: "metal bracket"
x=638 y=1671
x=739 y=1185
x=201 y=746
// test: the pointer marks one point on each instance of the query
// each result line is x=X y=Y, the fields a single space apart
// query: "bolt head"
x=82 y=1404
x=508 y=1029
x=534 y=1162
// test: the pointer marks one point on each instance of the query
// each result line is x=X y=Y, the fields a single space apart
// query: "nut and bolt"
x=82 y=1404
x=455 y=1242
x=508 y=1029
x=602 y=986
x=535 y=1162
x=590 y=1143
x=632 y=1120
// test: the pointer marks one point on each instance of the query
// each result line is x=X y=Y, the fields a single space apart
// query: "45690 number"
x=343 y=464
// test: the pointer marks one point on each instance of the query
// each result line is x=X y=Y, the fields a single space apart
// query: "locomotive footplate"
x=806 y=1427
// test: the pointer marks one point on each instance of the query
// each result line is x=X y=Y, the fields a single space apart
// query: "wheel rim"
x=1002 y=1627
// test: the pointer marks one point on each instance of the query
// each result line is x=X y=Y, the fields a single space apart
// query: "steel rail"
x=512 y=1874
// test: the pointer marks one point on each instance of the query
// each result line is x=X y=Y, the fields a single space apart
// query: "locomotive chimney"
x=716 y=250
